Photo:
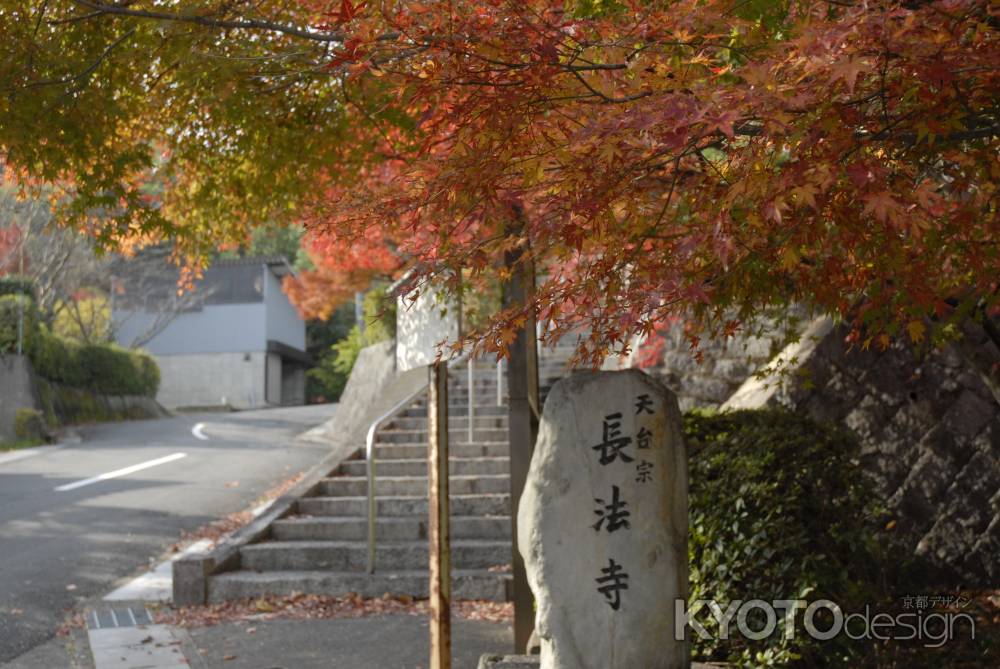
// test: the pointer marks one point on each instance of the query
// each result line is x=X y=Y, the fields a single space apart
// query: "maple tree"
x=706 y=158
x=341 y=267
x=10 y=242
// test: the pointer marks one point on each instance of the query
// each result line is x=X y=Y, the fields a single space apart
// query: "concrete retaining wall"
x=373 y=374
x=420 y=326
x=17 y=391
x=213 y=379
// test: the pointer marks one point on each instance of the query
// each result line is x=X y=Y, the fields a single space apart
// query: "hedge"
x=106 y=369
x=16 y=285
x=779 y=509
x=11 y=306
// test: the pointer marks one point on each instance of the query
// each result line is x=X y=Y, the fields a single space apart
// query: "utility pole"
x=523 y=414
x=20 y=300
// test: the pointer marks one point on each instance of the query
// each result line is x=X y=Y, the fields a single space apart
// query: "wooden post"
x=523 y=412
x=440 y=538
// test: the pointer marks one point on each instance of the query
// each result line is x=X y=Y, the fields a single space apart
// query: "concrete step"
x=454 y=423
x=390 y=436
x=418 y=467
x=460 y=379
x=415 y=451
x=485 y=366
x=387 y=529
x=419 y=408
x=453 y=442
x=465 y=584
x=353 y=555
x=458 y=407
x=410 y=505
x=357 y=486
x=460 y=389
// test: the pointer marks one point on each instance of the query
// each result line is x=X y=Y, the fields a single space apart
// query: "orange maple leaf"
x=848 y=71
x=883 y=205
x=348 y=10
x=806 y=194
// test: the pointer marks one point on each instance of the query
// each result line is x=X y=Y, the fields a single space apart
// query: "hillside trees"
x=650 y=158
x=59 y=262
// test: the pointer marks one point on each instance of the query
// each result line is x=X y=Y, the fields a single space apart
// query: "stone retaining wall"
x=725 y=364
x=930 y=434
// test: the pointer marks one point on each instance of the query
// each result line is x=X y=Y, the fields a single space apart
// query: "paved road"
x=60 y=547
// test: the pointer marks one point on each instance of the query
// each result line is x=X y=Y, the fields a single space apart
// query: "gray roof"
x=279 y=265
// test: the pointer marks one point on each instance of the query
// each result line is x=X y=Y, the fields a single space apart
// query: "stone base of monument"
x=533 y=662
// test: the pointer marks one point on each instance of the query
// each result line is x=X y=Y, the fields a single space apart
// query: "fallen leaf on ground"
x=308 y=607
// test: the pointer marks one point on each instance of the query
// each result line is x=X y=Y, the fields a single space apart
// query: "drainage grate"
x=122 y=617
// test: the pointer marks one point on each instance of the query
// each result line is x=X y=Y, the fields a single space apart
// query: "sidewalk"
x=376 y=642
x=397 y=641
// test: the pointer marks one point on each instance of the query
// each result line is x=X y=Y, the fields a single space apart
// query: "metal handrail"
x=370 y=454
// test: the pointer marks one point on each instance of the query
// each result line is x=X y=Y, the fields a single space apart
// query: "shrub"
x=12 y=306
x=47 y=400
x=779 y=509
x=28 y=424
x=335 y=366
x=379 y=312
x=149 y=372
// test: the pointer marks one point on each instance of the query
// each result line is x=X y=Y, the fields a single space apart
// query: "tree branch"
x=238 y=24
x=89 y=70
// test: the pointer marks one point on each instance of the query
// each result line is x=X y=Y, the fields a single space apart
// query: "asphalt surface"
x=58 y=548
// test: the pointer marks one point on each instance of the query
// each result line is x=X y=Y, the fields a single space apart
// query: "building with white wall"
x=242 y=345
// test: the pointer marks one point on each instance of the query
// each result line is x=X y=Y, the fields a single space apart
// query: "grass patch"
x=18 y=444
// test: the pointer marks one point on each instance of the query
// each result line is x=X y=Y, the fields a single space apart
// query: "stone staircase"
x=321 y=547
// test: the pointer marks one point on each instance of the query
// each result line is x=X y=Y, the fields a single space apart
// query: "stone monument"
x=603 y=524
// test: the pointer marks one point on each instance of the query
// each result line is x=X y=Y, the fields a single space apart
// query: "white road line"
x=197 y=431
x=121 y=472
